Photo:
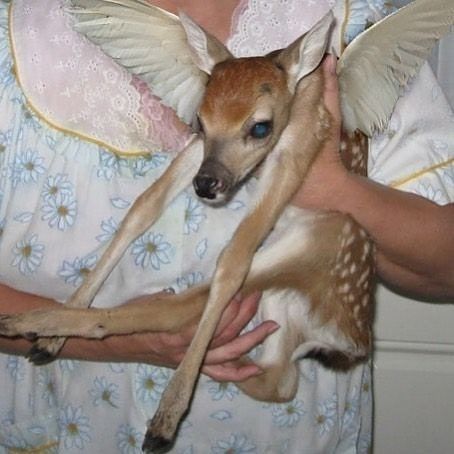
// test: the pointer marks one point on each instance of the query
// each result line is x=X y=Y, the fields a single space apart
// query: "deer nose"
x=205 y=186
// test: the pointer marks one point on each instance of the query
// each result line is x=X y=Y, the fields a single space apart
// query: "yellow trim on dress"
x=41 y=449
x=36 y=111
x=420 y=173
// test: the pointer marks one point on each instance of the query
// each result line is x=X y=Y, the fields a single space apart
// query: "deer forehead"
x=241 y=89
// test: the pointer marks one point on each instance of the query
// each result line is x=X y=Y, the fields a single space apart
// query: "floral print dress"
x=72 y=163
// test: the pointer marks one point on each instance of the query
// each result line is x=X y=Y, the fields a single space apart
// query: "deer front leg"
x=145 y=211
x=284 y=171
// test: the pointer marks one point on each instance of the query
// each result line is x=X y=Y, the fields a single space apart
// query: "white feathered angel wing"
x=150 y=43
x=379 y=62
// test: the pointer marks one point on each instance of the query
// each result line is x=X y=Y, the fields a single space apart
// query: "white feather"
x=150 y=43
x=378 y=63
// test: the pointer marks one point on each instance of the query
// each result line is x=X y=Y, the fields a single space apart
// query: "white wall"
x=414 y=355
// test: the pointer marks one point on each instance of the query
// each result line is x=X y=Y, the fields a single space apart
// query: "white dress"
x=80 y=139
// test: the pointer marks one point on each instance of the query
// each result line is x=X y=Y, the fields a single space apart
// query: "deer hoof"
x=156 y=445
x=40 y=356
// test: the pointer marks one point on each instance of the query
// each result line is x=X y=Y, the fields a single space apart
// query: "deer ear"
x=305 y=54
x=206 y=50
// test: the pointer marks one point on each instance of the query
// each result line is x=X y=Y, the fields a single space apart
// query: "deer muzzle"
x=213 y=181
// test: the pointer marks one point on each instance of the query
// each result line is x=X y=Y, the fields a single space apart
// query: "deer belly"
x=301 y=333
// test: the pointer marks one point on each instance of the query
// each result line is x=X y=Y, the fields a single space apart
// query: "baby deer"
x=315 y=269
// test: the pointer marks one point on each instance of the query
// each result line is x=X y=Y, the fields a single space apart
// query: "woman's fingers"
x=224 y=363
x=241 y=345
x=233 y=372
x=228 y=346
x=230 y=327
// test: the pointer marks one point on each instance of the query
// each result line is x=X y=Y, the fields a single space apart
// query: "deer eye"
x=261 y=129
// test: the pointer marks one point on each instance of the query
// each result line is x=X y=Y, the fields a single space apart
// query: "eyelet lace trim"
x=73 y=86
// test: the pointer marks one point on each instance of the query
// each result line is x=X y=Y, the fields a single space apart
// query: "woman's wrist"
x=345 y=194
x=326 y=186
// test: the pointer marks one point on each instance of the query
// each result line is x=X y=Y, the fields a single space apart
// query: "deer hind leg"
x=144 y=212
x=277 y=383
x=302 y=335
x=279 y=380
x=280 y=377
x=328 y=314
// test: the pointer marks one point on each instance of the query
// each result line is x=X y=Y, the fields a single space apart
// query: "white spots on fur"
x=344 y=288
x=347 y=257
x=356 y=310
x=350 y=240
x=347 y=228
x=351 y=272
x=357 y=162
x=356 y=150
x=357 y=317
x=366 y=251
x=358 y=157
x=363 y=278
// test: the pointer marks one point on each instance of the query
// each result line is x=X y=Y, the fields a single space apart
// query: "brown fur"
x=235 y=86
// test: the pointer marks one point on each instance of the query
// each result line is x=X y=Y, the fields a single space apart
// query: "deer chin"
x=220 y=195
x=219 y=200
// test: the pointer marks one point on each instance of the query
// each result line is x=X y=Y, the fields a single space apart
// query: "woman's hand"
x=227 y=346
x=327 y=174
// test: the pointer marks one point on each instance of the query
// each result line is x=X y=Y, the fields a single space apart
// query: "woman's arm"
x=414 y=237
x=162 y=349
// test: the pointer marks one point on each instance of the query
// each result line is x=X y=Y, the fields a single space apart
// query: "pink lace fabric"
x=163 y=124
x=74 y=86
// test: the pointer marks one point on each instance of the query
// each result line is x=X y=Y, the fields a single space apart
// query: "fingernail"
x=257 y=372
x=274 y=327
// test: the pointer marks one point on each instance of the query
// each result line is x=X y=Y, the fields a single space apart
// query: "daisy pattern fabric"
x=63 y=193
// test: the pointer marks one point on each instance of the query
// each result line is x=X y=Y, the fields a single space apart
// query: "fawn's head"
x=246 y=103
